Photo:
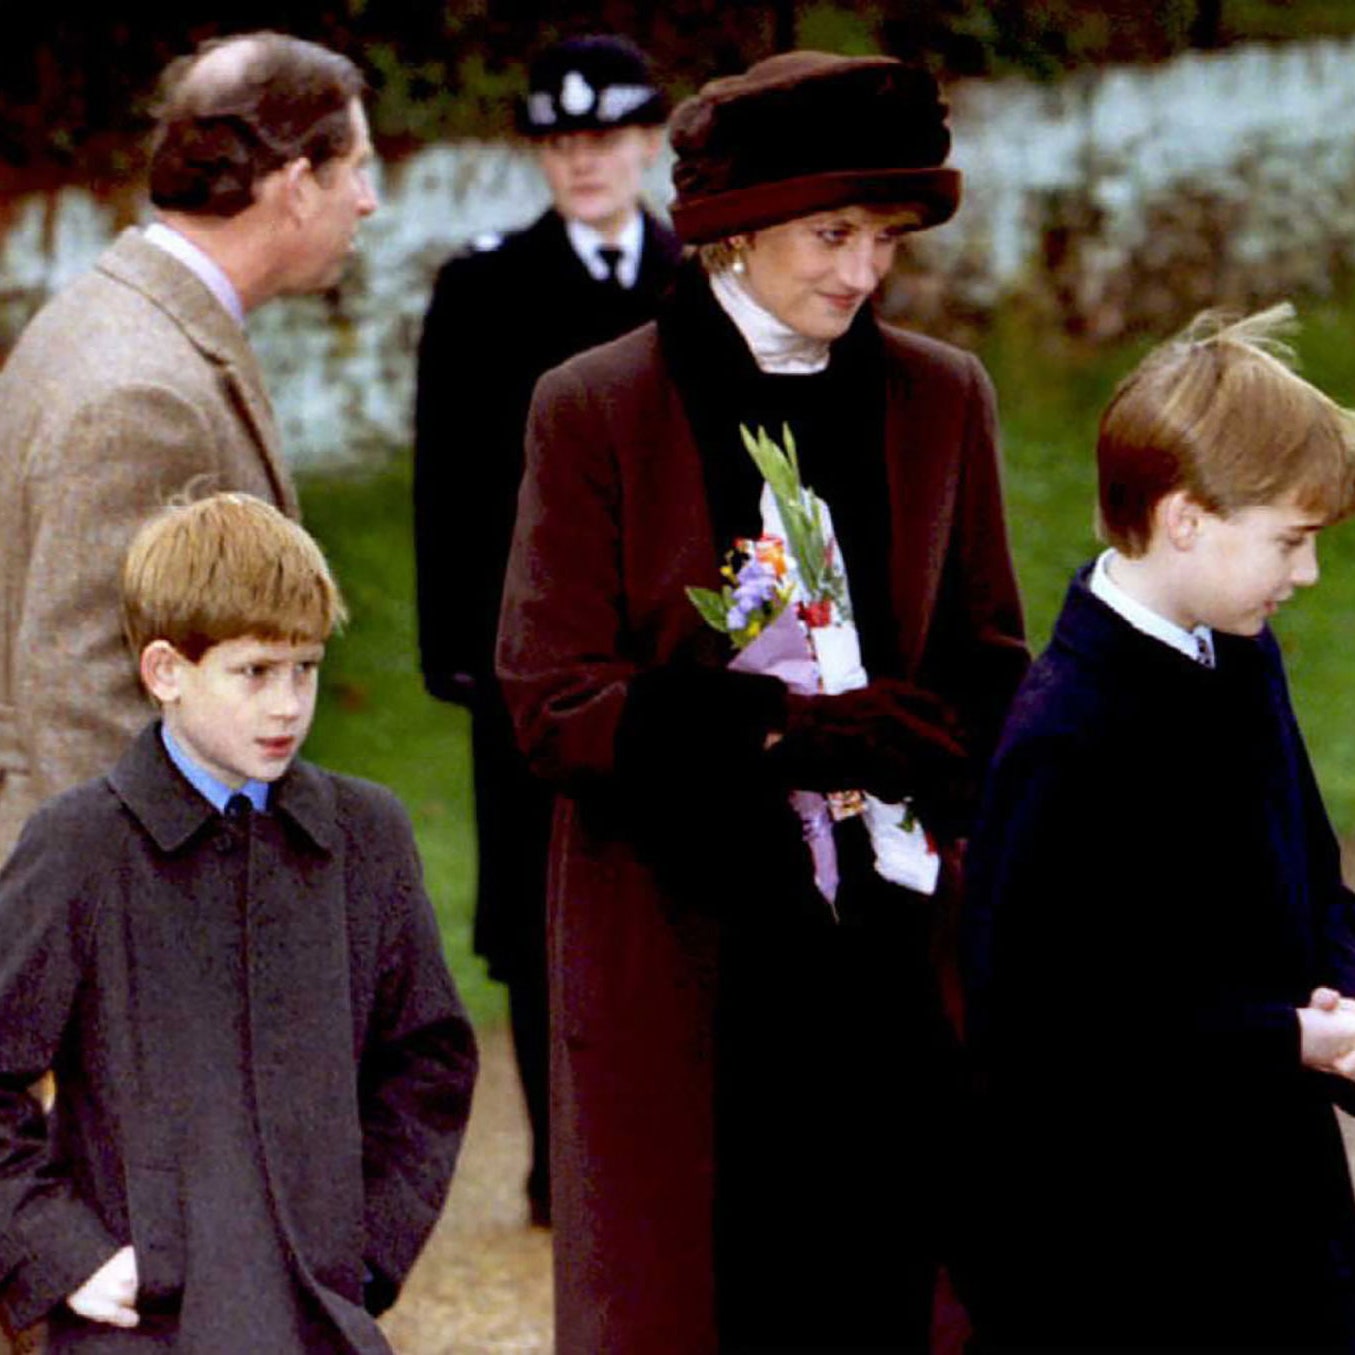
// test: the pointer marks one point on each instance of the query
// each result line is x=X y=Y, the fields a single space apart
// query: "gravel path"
x=482 y=1285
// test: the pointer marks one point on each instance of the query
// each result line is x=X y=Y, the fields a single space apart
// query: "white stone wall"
x=1264 y=135
x=1231 y=173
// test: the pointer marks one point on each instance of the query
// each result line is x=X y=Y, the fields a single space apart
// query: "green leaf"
x=800 y=514
x=712 y=606
x=771 y=462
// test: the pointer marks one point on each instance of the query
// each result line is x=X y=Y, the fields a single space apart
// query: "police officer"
x=590 y=268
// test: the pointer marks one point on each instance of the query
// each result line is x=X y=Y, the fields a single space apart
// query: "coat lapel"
x=922 y=475
x=171 y=287
x=171 y=811
x=167 y=807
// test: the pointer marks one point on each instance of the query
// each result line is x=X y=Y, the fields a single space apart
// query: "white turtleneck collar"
x=776 y=347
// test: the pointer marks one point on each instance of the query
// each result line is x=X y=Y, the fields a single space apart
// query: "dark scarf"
x=836 y=416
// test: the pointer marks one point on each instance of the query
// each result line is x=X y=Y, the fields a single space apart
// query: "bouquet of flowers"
x=787 y=609
x=757 y=592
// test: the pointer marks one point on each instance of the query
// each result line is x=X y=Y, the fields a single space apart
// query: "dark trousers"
x=513 y=822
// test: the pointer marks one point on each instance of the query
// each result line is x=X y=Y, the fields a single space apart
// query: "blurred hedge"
x=75 y=85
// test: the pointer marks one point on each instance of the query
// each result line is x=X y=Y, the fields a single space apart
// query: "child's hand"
x=109 y=1295
x=1329 y=1000
x=1327 y=1033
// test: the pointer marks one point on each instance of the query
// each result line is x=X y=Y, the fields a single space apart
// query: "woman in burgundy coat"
x=752 y=1089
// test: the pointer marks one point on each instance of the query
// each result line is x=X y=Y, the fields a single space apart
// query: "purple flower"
x=754 y=597
x=756 y=585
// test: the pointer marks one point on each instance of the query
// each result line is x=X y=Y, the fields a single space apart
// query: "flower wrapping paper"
x=904 y=853
x=783 y=651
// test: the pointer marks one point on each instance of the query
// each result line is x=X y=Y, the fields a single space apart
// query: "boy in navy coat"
x=263 y=1070
x=1157 y=931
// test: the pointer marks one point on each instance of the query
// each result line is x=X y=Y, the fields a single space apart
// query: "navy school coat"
x=1152 y=889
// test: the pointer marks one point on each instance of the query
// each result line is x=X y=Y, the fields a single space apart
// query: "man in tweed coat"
x=137 y=382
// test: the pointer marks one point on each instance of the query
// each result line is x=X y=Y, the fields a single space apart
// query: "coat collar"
x=172 y=287
x=1091 y=629
x=659 y=254
x=547 y=234
x=172 y=812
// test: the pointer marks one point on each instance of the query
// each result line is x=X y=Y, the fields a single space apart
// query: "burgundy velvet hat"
x=806 y=132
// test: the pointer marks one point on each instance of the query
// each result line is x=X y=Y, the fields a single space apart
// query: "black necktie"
x=611 y=258
x=238 y=808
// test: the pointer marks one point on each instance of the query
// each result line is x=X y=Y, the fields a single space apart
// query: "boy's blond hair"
x=222 y=568
x=1219 y=412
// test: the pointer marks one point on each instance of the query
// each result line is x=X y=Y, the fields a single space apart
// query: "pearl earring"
x=738 y=266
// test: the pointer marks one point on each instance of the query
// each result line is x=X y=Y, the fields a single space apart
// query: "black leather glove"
x=461 y=689
x=697 y=726
x=889 y=738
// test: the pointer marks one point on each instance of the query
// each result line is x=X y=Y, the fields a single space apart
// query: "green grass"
x=375 y=719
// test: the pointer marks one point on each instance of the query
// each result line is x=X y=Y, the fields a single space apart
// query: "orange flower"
x=771 y=551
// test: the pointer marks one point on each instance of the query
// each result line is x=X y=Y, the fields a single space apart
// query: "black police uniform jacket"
x=498 y=319
x=1152 y=889
x=263 y=1069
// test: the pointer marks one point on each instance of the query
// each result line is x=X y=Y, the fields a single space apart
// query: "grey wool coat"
x=130 y=386
x=263 y=1068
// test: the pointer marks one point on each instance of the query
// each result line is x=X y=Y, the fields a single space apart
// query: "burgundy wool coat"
x=613 y=525
x=263 y=1068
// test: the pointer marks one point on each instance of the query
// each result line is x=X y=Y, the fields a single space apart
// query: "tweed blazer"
x=132 y=385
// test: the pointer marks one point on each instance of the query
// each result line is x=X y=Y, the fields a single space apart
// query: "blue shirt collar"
x=214 y=791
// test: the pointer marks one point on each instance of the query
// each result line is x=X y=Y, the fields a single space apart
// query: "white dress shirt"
x=1197 y=644
x=587 y=243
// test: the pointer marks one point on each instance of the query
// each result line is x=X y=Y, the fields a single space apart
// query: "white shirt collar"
x=200 y=264
x=776 y=347
x=1197 y=644
x=586 y=242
